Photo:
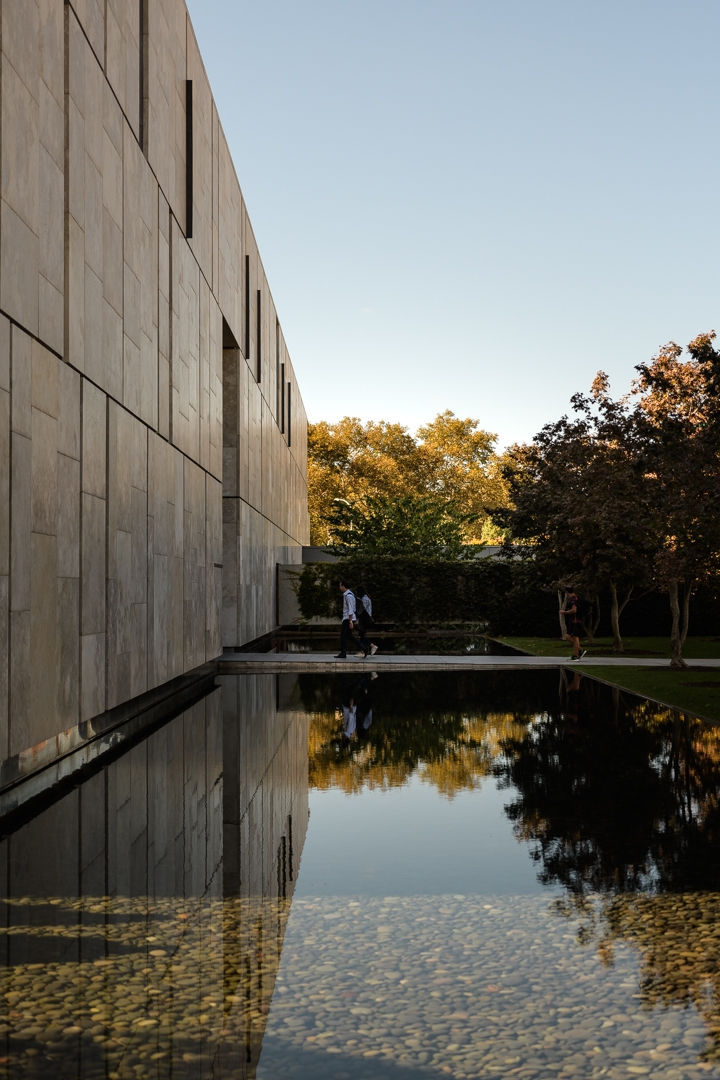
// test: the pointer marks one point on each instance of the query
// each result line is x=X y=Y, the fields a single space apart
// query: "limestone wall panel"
x=93 y=508
x=230 y=420
x=127 y=556
x=254 y=443
x=93 y=641
x=165 y=561
x=216 y=129
x=246 y=387
x=94 y=300
x=210 y=356
x=123 y=57
x=231 y=242
x=204 y=164
x=140 y=254
x=194 y=547
x=185 y=357
x=31 y=158
x=167 y=74
x=229 y=621
x=164 y=292
x=91 y=16
x=253 y=270
x=214 y=575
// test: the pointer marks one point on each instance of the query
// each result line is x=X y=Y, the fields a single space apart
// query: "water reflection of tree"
x=621 y=809
x=447 y=733
x=624 y=799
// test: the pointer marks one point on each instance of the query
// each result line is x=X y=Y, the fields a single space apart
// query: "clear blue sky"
x=474 y=204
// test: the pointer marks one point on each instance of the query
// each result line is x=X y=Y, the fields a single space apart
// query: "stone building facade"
x=152 y=436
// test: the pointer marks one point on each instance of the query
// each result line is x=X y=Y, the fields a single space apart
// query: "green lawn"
x=694 y=690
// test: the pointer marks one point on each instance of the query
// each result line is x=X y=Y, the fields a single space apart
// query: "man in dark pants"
x=347 y=638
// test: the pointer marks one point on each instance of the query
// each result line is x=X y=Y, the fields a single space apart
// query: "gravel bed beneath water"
x=373 y=989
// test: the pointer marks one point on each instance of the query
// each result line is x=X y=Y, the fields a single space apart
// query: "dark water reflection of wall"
x=144 y=911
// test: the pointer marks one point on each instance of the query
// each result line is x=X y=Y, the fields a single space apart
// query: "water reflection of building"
x=147 y=907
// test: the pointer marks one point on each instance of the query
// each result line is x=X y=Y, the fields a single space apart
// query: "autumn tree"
x=449 y=463
x=579 y=501
x=459 y=463
x=679 y=422
x=423 y=525
x=351 y=459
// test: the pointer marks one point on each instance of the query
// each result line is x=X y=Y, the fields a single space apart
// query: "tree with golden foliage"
x=449 y=459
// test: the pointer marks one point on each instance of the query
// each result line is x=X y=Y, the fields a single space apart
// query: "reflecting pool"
x=415 y=875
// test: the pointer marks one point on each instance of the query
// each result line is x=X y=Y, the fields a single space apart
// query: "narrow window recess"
x=258 y=343
x=247 y=308
x=188 y=158
x=143 y=74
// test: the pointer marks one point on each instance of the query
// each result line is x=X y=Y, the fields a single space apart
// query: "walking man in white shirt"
x=349 y=618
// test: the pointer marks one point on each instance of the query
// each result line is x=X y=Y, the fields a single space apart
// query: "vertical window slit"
x=247 y=307
x=188 y=158
x=258 y=345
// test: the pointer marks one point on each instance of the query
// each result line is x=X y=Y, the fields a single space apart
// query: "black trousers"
x=347 y=638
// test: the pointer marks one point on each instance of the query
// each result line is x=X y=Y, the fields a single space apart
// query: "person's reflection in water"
x=365 y=705
x=570 y=696
x=356 y=708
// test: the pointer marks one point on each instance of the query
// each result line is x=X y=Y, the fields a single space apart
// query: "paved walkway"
x=317 y=661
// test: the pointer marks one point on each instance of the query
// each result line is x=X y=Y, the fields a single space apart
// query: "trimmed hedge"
x=503 y=597
x=406 y=591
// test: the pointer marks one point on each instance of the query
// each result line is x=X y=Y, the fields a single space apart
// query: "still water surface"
x=508 y=874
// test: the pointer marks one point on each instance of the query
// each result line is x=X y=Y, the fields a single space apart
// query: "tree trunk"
x=617 y=608
x=676 y=638
x=561 y=604
x=685 y=614
x=615 y=619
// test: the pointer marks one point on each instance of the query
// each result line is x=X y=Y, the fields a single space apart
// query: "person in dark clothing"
x=364 y=620
x=573 y=625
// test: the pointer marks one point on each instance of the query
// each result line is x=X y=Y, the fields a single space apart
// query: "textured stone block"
x=91 y=15
x=93 y=564
x=167 y=72
x=165 y=567
x=67 y=526
x=20 y=522
x=94 y=436
x=44 y=473
x=194 y=565
x=19 y=257
x=67 y=675
x=214 y=568
x=123 y=56
x=127 y=556
x=43 y=637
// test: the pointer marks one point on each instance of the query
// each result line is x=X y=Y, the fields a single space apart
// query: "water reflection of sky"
x=411 y=840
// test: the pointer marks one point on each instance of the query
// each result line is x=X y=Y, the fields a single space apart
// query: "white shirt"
x=348 y=605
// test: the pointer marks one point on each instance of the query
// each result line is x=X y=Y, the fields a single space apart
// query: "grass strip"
x=692 y=690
